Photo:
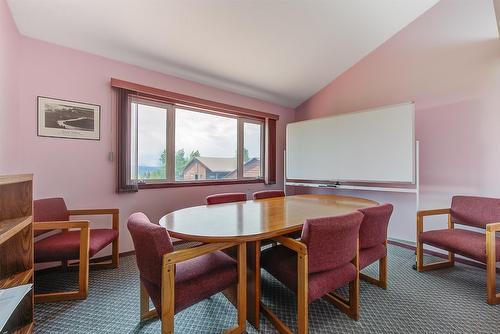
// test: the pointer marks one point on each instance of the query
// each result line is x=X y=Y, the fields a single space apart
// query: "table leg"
x=253 y=285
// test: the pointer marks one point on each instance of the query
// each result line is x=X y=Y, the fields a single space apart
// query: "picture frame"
x=68 y=119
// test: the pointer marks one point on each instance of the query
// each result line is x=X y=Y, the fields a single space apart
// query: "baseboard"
x=472 y=263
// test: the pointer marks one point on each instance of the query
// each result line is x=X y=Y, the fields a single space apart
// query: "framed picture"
x=68 y=119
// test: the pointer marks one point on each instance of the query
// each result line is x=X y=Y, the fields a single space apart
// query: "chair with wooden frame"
x=268 y=194
x=226 y=198
x=51 y=214
x=478 y=212
x=175 y=280
x=325 y=259
x=373 y=242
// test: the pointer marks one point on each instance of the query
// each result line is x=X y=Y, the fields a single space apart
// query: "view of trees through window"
x=205 y=145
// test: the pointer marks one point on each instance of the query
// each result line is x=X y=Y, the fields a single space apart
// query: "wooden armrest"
x=93 y=212
x=433 y=212
x=190 y=253
x=493 y=227
x=293 y=244
x=57 y=225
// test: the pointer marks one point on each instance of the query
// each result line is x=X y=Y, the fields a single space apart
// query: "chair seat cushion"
x=66 y=245
x=281 y=262
x=369 y=255
x=467 y=243
x=197 y=279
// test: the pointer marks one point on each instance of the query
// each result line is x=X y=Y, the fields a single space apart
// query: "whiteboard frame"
x=323 y=181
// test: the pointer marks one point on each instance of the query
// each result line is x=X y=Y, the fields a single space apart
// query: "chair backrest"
x=475 y=211
x=331 y=241
x=373 y=230
x=226 y=198
x=268 y=194
x=151 y=242
x=49 y=209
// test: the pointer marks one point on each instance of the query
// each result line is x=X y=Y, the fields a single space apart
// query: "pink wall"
x=78 y=170
x=9 y=116
x=448 y=62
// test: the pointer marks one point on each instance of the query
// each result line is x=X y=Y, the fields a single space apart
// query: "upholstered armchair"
x=472 y=211
x=373 y=242
x=74 y=240
x=325 y=259
x=268 y=194
x=175 y=280
x=226 y=198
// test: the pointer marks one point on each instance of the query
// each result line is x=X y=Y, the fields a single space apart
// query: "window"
x=252 y=149
x=167 y=139
x=149 y=137
x=206 y=146
x=179 y=144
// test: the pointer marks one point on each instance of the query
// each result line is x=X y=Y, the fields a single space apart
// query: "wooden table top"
x=257 y=219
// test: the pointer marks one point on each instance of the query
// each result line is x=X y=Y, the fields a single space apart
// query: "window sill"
x=158 y=185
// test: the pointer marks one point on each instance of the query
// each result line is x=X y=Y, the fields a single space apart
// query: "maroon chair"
x=52 y=214
x=325 y=259
x=373 y=242
x=477 y=212
x=176 y=280
x=268 y=194
x=226 y=198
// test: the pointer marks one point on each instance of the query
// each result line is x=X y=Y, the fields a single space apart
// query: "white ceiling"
x=279 y=51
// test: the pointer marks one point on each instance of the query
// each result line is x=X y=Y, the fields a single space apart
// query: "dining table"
x=253 y=222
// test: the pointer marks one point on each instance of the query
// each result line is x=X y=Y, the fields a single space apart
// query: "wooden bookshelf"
x=16 y=246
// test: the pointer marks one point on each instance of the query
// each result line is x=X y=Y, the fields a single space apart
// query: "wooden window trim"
x=192 y=101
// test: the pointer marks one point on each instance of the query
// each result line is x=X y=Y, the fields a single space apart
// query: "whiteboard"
x=376 y=145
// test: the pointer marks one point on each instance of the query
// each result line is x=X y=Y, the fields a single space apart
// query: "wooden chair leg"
x=351 y=306
x=491 y=272
x=302 y=301
x=115 y=255
x=84 y=263
x=273 y=318
x=382 y=272
x=382 y=275
x=302 y=294
x=145 y=311
x=437 y=265
x=83 y=275
x=167 y=298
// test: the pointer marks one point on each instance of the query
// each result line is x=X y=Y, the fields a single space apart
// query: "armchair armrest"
x=493 y=227
x=59 y=225
x=191 y=253
x=423 y=213
x=292 y=244
x=95 y=212
x=92 y=212
x=434 y=212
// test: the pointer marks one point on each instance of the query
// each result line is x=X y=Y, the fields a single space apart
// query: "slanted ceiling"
x=278 y=51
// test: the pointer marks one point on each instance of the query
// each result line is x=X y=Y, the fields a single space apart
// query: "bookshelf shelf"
x=16 y=247
x=10 y=227
x=21 y=278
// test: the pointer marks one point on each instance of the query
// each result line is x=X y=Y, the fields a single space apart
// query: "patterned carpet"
x=443 y=301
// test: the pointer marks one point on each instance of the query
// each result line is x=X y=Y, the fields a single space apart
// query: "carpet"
x=451 y=300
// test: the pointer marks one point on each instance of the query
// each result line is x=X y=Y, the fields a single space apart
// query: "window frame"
x=170 y=180
x=123 y=90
